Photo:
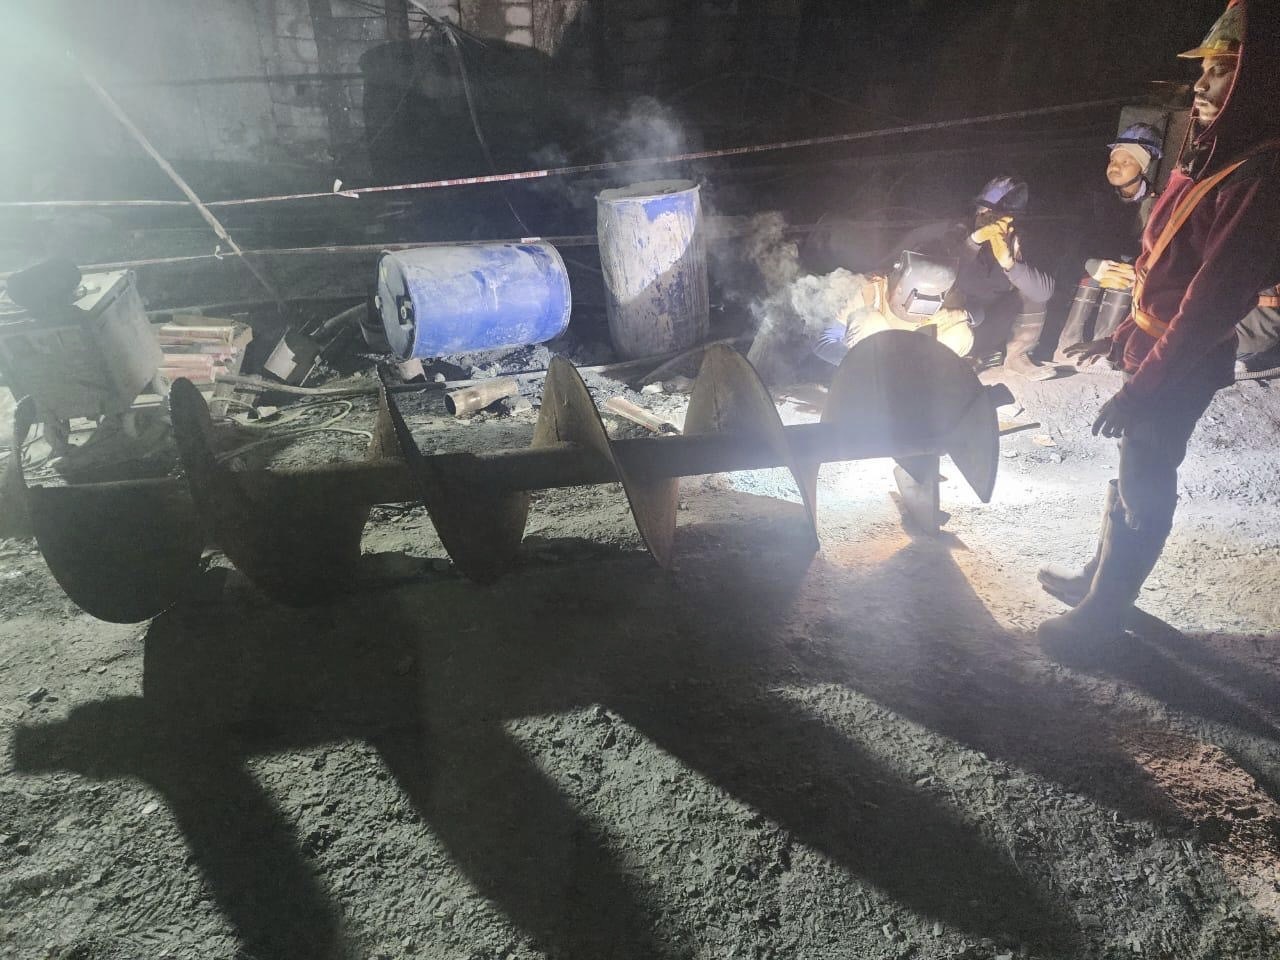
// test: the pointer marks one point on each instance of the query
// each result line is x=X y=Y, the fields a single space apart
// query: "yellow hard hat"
x=1224 y=38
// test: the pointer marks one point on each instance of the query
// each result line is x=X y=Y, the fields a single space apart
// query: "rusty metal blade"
x=569 y=415
x=729 y=397
x=480 y=525
x=123 y=552
x=919 y=394
x=297 y=545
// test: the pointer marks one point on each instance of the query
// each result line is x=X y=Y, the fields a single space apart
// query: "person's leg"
x=1079 y=323
x=1071 y=586
x=1258 y=337
x=1139 y=518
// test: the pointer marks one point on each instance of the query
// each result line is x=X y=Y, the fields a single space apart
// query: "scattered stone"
x=22 y=847
x=651 y=389
x=38 y=694
x=1009 y=454
x=678 y=385
x=520 y=405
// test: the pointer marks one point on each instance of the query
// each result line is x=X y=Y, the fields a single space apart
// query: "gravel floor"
x=761 y=753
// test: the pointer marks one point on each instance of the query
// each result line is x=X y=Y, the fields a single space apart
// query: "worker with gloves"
x=911 y=297
x=1000 y=290
x=1102 y=298
x=1213 y=241
x=1003 y=296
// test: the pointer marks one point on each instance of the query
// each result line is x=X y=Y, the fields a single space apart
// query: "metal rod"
x=118 y=112
x=571 y=465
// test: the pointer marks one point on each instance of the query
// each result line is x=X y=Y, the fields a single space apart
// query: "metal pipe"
x=469 y=400
x=572 y=465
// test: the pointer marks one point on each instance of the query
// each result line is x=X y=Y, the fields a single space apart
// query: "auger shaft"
x=125 y=551
x=572 y=465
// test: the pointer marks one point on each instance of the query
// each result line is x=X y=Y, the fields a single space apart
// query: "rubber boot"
x=1126 y=560
x=1071 y=586
x=1022 y=341
x=1079 y=324
x=1112 y=310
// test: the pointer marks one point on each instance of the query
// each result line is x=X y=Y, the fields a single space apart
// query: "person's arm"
x=832 y=345
x=1035 y=285
x=1241 y=258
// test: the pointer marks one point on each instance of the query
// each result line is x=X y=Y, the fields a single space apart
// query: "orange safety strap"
x=1149 y=323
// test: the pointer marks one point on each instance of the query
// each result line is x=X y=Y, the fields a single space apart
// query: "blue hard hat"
x=1142 y=135
x=1004 y=195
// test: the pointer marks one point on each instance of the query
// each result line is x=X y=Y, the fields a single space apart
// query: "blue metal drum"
x=653 y=254
x=440 y=301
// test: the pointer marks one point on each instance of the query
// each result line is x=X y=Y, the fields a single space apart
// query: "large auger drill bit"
x=126 y=551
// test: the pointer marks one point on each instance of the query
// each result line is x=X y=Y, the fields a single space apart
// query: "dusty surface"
x=761 y=753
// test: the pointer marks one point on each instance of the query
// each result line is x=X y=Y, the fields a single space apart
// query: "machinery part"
x=653 y=254
x=920 y=486
x=124 y=551
x=438 y=301
x=479 y=522
x=875 y=382
x=729 y=398
x=469 y=400
x=569 y=415
x=298 y=544
x=87 y=358
x=917 y=397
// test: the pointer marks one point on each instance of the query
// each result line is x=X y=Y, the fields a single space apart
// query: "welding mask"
x=919 y=284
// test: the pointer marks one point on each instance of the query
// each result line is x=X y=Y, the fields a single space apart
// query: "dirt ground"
x=759 y=754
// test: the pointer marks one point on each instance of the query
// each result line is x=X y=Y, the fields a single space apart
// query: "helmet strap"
x=1142 y=190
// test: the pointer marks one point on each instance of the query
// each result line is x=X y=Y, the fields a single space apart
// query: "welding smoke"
x=788 y=307
x=644 y=129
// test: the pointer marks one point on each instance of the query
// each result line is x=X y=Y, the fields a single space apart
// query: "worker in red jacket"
x=1212 y=242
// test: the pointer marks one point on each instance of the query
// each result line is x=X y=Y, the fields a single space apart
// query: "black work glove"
x=1117 y=416
x=1090 y=351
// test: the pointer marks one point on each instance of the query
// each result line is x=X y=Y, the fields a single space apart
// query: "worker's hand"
x=1113 y=275
x=999 y=234
x=993 y=229
x=1088 y=352
x=1117 y=416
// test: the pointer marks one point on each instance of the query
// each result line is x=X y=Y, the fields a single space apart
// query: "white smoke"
x=789 y=308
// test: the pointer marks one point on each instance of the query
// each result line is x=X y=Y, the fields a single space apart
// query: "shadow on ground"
x=431 y=675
